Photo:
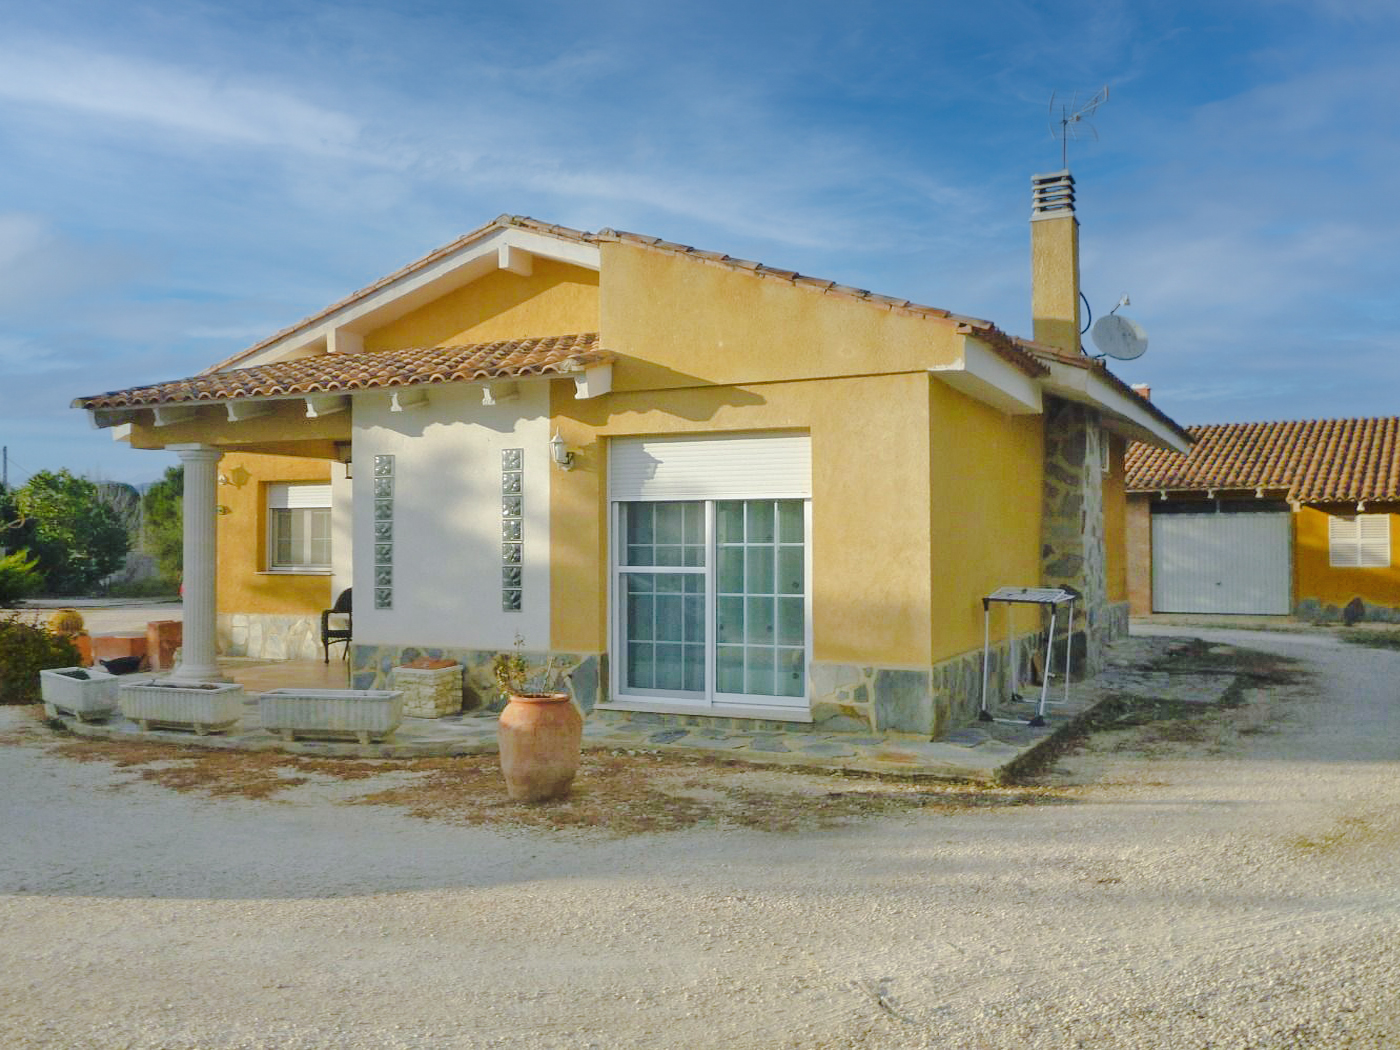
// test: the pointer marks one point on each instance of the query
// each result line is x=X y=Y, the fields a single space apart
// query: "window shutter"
x=1373 y=540
x=744 y=466
x=1341 y=542
x=288 y=496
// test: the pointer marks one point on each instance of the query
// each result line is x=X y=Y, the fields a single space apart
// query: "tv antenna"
x=1072 y=120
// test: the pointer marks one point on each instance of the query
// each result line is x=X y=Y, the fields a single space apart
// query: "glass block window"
x=711 y=600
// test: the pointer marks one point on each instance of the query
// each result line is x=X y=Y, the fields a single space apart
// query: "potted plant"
x=540 y=731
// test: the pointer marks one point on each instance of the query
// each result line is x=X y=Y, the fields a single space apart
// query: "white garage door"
x=1221 y=563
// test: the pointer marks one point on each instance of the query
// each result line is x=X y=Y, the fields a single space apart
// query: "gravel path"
x=1235 y=886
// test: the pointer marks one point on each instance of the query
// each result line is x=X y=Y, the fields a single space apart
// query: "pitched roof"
x=328 y=373
x=1001 y=343
x=1312 y=461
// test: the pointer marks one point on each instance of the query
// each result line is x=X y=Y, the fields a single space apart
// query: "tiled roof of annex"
x=1311 y=461
x=1001 y=343
x=332 y=373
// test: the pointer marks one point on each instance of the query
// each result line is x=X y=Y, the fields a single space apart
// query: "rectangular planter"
x=365 y=714
x=204 y=707
x=92 y=697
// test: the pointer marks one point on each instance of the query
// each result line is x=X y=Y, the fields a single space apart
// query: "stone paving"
x=977 y=752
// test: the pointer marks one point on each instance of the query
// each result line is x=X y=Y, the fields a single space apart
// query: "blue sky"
x=180 y=179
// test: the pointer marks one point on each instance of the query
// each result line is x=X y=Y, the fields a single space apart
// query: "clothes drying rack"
x=1053 y=597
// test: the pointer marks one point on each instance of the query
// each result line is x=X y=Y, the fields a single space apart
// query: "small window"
x=298 y=527
x=1359 y=541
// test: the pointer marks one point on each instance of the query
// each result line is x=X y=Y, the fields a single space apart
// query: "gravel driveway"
x=1226 y=882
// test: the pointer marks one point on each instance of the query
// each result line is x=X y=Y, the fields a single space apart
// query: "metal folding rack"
x=1054 y=597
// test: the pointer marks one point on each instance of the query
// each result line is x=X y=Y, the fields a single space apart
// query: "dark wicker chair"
x=331 y=634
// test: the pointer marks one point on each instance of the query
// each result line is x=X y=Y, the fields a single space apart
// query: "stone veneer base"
x=263 y=636
x=846 y=697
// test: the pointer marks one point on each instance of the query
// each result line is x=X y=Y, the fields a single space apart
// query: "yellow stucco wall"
x=892 y=455
x=1314 y=578
x=1115 y=533
x=869 y=437
x=1055 y=281
x=556 y=299
x=679 y=322
x=984 y=523
x=244 y=585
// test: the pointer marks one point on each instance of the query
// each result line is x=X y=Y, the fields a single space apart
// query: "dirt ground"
x=1178 y=877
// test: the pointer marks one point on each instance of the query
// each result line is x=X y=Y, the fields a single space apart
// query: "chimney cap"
x=1052 y=195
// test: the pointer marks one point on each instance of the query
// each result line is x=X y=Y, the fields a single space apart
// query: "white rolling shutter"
x=291 y=496
x=742 y=466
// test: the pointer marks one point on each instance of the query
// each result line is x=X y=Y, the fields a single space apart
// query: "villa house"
x=696 y=485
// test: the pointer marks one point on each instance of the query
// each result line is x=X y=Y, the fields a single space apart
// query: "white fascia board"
x=458 y=268
x=1125 y=415
x=595 y=382
x=987 y=377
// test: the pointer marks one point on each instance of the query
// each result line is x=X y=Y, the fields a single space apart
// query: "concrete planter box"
x=365 y=714
x=204 y=707
x=92 y=697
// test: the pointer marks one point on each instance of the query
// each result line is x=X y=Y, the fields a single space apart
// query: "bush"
x=19 y=577
x=26 y=648
x=151 y=587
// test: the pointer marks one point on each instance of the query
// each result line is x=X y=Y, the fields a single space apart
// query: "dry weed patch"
x=615 y=794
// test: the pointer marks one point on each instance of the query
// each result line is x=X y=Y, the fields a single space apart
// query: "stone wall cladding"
x=429 y=692
x=1317 y=611
x=269 y=637
x=1072 y=530
x=581 y=675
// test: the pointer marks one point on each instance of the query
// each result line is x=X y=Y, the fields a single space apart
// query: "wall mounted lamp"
x=560 y=453
x=237 y=477
x=342 y=455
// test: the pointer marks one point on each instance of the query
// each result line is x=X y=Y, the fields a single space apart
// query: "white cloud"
x=184 y=101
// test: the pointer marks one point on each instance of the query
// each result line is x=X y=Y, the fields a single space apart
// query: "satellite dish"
x=1119 y=337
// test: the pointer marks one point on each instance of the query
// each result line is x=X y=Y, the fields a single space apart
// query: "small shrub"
x=67 y=622
x=19 y=577
x=26 y=648
x=152 y=587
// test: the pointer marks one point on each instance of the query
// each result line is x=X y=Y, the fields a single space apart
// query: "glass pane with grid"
x=301 y=538
x=664 y=611
x=760 y=615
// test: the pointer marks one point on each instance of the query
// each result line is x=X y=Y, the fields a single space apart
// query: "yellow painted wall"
x=870 y=498
x=985 y=474
x=242 y=537
x=556 y=299
x=1115 y=531
x=1055 y=282
x=679 y=322
x=1315 y=578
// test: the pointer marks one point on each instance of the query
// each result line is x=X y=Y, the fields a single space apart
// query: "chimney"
x=1143 y=391
x=1055 y=261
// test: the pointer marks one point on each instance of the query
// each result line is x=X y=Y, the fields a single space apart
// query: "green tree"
x=125 y=501
x=165 y=531
x=76 y=537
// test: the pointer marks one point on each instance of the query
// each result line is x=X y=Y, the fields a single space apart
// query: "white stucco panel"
x=447 y=556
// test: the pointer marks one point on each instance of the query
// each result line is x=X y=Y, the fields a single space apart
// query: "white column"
x=198 y=647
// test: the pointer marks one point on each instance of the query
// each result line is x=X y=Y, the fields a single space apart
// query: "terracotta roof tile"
x=381 y=369
x=1311 y=461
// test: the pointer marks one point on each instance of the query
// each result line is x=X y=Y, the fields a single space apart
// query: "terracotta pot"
x=539 y=738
